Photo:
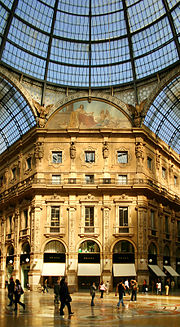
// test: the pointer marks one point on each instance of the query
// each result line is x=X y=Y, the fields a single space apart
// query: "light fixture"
x=166 y=262
x=27 y=259
x=150 y=260
x=10 y=261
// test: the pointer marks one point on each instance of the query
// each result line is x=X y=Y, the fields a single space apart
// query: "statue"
x=72 y=151
x=139 y=150
x=137 y=112
x=42 y=112
x=38 y=150
x=105 y=150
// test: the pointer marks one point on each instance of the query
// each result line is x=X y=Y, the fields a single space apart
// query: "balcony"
x=89 y=231
x=123 y=230
x=54 y=230
x=24 y=233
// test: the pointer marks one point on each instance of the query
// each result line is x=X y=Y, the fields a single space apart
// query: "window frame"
x=59 y=158
x=89 y=153
x=121 y=154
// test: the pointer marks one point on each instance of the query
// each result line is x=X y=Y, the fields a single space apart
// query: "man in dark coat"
x=11 y=286
x=65 y=297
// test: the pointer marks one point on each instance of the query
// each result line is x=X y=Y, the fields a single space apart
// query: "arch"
x=123 y=239
x=166 y=251
x=152 y=248
x=54 y=246
x=16 y=115
x=123 y=246
x=10 y=250
x=83 y=96
x=25 y=248
x=89 y=246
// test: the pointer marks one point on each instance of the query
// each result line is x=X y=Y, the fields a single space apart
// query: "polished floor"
x=149 y=310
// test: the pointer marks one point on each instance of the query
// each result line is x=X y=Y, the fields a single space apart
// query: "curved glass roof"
x=16 y=117
x=89 y=43
x=163 y=117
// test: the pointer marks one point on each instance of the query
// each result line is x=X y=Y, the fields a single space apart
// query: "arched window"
x=123 y=247
x=152 y=249
x=54 y=247
x=10 y=250
x=152 y=254
x=25 y=248
x=89 y=247
x=123 y=252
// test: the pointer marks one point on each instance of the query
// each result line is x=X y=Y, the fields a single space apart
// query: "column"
x=72 y=255
x=106 y=260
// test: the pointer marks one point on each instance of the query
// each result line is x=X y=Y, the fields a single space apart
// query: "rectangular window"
x=89 y=179
x=25 y=218
x=122 y=179
x=90 y=156
x=89 y=219
x=55 y=219
x=166 y=225
x=153 y=227
x=123 y=220
x=10 y=224
x=122 y=156
x=149 y=163
x=123 y=216
x=175 y=180
x=29 y=161
x=57 y=156
x=163 y=172
x=56 y=179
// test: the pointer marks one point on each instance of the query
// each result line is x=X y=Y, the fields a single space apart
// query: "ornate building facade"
x=89 y=193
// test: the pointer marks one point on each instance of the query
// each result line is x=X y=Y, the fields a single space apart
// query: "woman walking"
x=18 y=291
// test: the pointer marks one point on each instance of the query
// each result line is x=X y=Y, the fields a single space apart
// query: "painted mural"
x=83 y=114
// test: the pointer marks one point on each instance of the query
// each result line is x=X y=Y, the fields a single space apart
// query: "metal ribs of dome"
x=89 y=43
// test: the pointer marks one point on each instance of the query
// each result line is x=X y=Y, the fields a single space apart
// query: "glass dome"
x=89 y=43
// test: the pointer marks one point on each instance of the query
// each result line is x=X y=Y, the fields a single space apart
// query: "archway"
x=54 y=262
x=123 y=261
x=10 y=260
x=89 y=268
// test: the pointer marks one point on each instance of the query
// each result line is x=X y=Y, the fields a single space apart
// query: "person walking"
x=134 y=290
x=56 y=291
x=11 y=291
x=102 y=289
x=45 y=286
x=126 y=283
x=65 y=297
x=144 y=286
x=120 y=289
x=18 y=291
x=158 y=287
x=93 y=293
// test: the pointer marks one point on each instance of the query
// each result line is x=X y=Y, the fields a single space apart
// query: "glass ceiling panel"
x=16 y=117
x=163 y=117
x=89 y=34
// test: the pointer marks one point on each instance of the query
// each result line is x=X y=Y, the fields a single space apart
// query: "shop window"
x=123 y=220
x=55 y=219
x=89 y=219
x=57 y=156
x=90 y=156
x=89 y=179
x=122 y=157
x=56 y=179
x=163 y=172
x=122 y=179
x=149 y=163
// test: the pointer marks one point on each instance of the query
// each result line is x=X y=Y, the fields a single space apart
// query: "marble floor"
x=149 y=310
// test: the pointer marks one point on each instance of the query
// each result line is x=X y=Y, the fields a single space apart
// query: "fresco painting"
x=92 y=115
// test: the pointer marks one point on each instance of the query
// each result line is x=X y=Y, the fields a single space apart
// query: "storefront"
x=123 y=262
x=89 y=268
x=54 y=263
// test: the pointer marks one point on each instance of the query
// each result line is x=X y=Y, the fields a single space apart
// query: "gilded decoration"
x=85 y=115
